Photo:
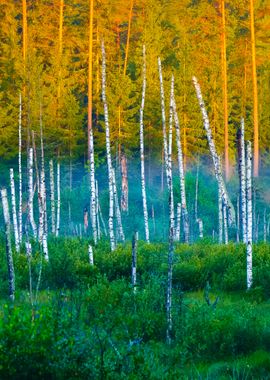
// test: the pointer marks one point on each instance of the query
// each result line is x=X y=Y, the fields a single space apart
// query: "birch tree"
x=242 y=165
x=108 y=149
x=52 y=197
x=215 y=158
x=117 y=209
x=31 y=192
x=14 y=211
x=249 y=213
x=181 y=172
x=11 y=273
x=134 y=261
x=145 y=211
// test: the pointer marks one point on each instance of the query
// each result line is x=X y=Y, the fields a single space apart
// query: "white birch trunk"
x=14 y=211
x=58 y=200
x=117 y=209
x=124 y=175
x=45 y=246
x=200 y=224
x=196 y=192
x=20 y=170
x=42 y=178
x=220 y=217
x=243 y=182
x=28 y=248
x=108 y=149
x=97 y=213
x=31 y=192
x=225 y=222
x=93 y=188
x=163 y=114
x=178 y=222
x=52 y=197
x=238 y=221
x=216 y=161
x=169 y=171
x=249 y=213
x=90 y=255
x=11 y=273
x=134 y=262
x=145 y=211
x=185 y=216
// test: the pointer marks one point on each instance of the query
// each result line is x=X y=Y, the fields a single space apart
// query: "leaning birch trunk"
x=225 y=222
x=42 y=177
x=124 y=194
x=170 y=268
x=212 y=147
x=117 y=209
x=93 y=187
x=52 y=197
x=249 y=213
x=31 y=192
x=20 y=170
x=90 y=255
x=243 y=182
x=220 y=217
x=58 y=200
x=14 y=212
x=11 y=273
x=178 y=222
x=163 y=114
x=181 y=172
x=145 y=211
x=108 y=149
x=134 y=261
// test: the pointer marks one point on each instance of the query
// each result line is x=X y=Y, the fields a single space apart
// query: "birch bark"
x=11 y=273
x=249 y=213
x=20 y=169
x=108 y=149
x=52 y=197
x=58 y=200
x=14 y=212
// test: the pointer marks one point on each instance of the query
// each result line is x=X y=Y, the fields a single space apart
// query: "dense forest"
x=46 y=51
x=134 y=189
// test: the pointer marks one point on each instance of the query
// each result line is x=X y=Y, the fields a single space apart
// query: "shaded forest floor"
x=86 y=322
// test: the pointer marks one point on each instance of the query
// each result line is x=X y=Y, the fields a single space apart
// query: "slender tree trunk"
x=171 y=119
x=220 y=217
x=225 y=221
x=145 y=211
x=58 y=200
x=128 y=35
x=196 y=192
x=31 y=192
x=20 y=169
x=238 y=221
x=108 y=149
x=178 y=222
x=117 y=209
x=134 y=261
x=11 y=273
x=249 y=214
x=154 y=220
x=170 y=268
x=42 y=177
x=163 y=114
x=90 y=254
x=264 y=226
x=97 y=213
x=200 y=224
x=216 y=161
x=124 y=193
x=45 y=246
x=243 y=182
x=255 y=92
x=14 y=212
x=225 y=89
x=185 y=216
x=52 y=196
